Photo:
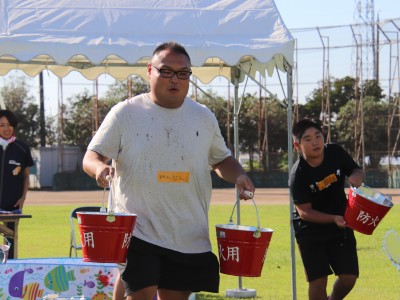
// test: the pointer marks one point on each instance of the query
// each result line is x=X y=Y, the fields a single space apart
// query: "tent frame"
x=95 y=37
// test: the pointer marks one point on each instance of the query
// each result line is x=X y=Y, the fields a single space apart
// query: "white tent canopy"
x=227 y=38
x=117 y=37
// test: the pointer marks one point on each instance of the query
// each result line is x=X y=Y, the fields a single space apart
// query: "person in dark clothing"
x=316 y=184
x=16 y=159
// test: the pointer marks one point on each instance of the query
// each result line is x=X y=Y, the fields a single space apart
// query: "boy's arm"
x=356 y=178
x=307 y=213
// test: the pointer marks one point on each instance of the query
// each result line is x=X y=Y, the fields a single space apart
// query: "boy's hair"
x=300 y=127
x=12 y=119
x=173 y=46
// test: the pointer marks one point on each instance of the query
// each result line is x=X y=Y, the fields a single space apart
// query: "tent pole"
x=240 y=292
x=41 y=112
x=290 y=164
x=60 y=138
x=263 y=86
x=236 y=142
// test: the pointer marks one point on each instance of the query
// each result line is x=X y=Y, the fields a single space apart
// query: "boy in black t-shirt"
x=317 y=187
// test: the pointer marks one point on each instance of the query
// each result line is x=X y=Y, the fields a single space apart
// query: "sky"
x=333 y=18
x=302 y=18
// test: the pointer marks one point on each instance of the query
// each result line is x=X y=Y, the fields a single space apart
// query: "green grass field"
x=47 y=235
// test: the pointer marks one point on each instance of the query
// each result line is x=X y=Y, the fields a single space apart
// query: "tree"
x=51 y=130
x=119 y=91
x=247 y=120
x=17 y=99
x=341 y=91
x=372 y=89
x=248 y=127
x=277 y=141
x=375 y=136
x=79 y=120
x=219 y=106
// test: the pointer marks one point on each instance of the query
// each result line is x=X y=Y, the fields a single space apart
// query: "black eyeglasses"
x=167 y=73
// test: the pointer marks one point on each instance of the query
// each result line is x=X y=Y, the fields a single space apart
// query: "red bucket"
x=366 y=208
x=105 y=237
x=242 y=249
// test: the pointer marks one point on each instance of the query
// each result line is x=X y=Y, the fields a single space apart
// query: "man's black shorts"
x=337 y=254
x=151 y=265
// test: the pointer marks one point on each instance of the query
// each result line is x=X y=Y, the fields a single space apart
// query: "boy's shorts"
x=337 y=254
x=149 y=265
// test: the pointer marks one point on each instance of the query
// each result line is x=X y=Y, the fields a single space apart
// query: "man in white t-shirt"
x=162 y=145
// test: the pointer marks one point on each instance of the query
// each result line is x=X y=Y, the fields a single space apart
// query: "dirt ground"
x=219 y=196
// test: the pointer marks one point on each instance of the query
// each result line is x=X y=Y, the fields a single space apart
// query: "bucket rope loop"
x=257 y=233
x=354 y=188
x=110 y=207
x=111 y=195
x=103 y=208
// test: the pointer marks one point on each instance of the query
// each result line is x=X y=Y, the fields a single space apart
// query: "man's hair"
x=174 y=47
x=300 y=127
x=12 y=119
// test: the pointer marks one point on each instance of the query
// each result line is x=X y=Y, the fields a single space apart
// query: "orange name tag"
x=167 y=176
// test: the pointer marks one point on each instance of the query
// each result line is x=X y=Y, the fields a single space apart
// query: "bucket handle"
x=110 y=209
x=103 y=208
x=354 y=188
x=110 y=205
x=256 y=233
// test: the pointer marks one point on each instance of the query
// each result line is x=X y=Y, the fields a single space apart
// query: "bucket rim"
x=106 y=214
x=390 y=205
x=242 y=227
x=369 y=193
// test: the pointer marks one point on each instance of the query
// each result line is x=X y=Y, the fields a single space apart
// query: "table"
x=11 y=218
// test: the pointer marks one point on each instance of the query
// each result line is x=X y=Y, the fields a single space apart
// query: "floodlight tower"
x=364 y=37
x=365 y=15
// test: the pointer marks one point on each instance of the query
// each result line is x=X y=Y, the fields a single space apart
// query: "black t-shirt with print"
x=323 y=186
x=16 y=157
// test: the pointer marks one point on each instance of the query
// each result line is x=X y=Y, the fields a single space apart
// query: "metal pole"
x=236 y=143
x=228 y=118
x=240 y=292
x=290 y=165
x=325 y=109
x=41 y=108
x=357 y=88
x=60 y=126
x=390 y=117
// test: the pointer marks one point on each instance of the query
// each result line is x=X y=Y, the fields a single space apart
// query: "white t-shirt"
x=162 y=158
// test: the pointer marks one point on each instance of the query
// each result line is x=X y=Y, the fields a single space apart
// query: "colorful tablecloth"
x=66 y=277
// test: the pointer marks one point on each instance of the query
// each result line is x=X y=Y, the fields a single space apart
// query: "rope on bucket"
x=256 y=233
x=110 y=205
x=103 y=208
x=111 y=195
